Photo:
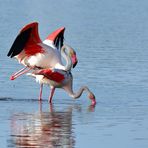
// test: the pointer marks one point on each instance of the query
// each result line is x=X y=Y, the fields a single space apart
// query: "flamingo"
x=31 y=52
x=58 y=78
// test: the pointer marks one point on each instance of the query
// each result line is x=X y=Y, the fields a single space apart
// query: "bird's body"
x=60 y=79
x=47 y=57
x=52 y=77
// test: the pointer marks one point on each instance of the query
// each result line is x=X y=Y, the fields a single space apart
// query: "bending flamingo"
x=30 y=51
x=57 y=78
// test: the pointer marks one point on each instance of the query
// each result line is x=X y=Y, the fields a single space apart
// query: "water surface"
x=111 y=41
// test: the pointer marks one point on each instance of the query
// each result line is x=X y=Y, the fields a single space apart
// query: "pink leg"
x=51 y=94
x=40 y=106
x=51 y=107
x=40 y=96
x=20 y=72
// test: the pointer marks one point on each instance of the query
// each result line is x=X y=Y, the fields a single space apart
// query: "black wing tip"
x=59 y=40
x=19 y=43
x=74 y=65
x=8 y=55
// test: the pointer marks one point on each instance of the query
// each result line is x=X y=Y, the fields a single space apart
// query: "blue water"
x=111 y=41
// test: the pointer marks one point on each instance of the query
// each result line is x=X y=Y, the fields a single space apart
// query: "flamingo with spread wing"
x=45 y=60
x=30 y=51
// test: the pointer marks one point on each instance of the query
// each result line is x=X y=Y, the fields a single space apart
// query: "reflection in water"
x=43 y=129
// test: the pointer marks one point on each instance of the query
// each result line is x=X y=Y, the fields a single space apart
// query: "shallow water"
x=111 y=41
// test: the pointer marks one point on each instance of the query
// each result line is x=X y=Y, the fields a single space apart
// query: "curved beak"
x=74 y=60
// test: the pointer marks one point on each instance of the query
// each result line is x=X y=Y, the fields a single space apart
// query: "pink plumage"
x=52 y=75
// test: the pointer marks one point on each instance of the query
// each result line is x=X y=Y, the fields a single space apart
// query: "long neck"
x=77 y=94
x=68 y=65
x=80 y=91
x=91 y=96
x=68 y=88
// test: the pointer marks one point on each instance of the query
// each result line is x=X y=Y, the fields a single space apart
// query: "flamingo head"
x=73 y=58
x=12 y=77
x=72 y=54
x=92 y=98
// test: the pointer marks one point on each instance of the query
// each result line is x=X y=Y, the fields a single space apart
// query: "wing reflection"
x=42 y=129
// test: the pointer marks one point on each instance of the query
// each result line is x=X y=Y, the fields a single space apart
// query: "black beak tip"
x=75 y=64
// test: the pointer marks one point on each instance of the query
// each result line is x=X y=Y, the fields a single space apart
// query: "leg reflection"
x=42 y=129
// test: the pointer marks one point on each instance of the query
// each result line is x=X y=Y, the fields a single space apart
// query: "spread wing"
x=28 y=37
x=56 y=38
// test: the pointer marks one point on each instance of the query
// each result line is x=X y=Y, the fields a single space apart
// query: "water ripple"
x=43 y=129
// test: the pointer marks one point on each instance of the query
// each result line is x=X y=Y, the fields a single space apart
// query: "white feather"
x=49 y=43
